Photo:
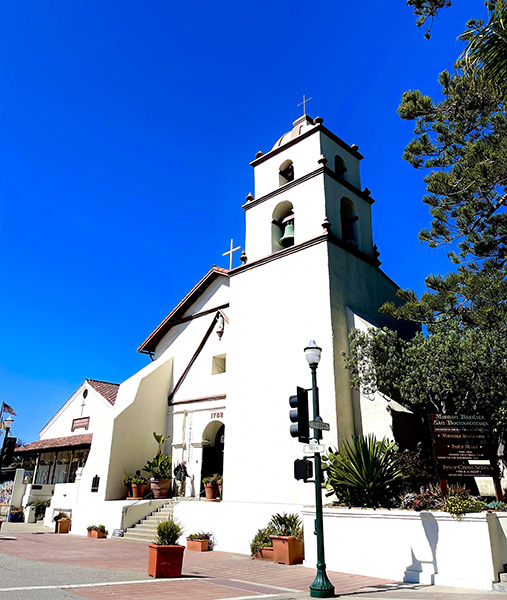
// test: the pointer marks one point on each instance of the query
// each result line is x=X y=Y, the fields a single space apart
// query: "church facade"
x=229 y=355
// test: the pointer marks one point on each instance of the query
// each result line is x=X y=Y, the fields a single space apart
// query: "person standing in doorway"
x=181 y=474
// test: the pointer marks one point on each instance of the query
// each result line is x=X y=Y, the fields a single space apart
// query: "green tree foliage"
x=426 y=10
x=454 y=369
x=486 y=42
x=462 y=142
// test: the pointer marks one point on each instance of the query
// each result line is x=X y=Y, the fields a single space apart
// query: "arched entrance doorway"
x=212 y=450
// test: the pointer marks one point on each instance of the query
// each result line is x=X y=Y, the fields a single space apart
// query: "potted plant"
x=126 y=482
x=97 y=531
x=211 y=487
x=287 y=536
x=166 y=556
x=200 y=542
x=261 y=546
x=62 y=522
x=219 y=481
x=16 y=514
x=160 y=469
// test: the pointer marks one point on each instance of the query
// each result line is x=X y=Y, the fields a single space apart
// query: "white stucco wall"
x=234 y=524
x=426 y=547
x=96 y=407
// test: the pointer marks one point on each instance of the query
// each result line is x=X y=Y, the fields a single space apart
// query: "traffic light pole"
x=2 y=451
x=321 y=586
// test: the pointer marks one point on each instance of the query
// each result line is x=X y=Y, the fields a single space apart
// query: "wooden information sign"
x=463 y=447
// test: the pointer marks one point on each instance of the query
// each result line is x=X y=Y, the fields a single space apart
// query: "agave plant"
x=286 y=525
x=364 y=473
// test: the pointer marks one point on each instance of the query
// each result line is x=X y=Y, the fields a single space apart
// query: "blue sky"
x=127 y=129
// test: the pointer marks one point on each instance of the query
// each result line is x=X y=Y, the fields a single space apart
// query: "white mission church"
x=229 y=355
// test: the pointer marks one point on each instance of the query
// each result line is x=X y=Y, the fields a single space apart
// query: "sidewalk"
x=69 y=566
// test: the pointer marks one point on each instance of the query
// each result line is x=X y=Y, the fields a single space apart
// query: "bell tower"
x=306 y=185
x=309 y=264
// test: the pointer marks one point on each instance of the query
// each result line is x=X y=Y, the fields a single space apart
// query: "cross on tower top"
x=305 y=100
x=230 y=253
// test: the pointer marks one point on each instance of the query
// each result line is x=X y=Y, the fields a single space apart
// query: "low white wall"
x=114 y=514
x=425 y=547
x=44 y=493
x=18 y=488
x=234 y=524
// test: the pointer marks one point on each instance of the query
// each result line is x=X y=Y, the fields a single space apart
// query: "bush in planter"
x=497 y=505
x=261 y=540
x=100 y=528
x=39 y=508
x=16 y=514
x=203 y=536
x=160 y=466
x=168 y=532
x=286 y=525
x=365 y=473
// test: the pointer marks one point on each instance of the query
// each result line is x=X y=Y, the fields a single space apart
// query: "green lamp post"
x=321 y=586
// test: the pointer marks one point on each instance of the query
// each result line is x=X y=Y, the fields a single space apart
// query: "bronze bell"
x=287 y=238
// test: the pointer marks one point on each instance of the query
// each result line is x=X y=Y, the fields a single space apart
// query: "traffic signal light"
x=299 y=415
x=303 y=469
x=10 y=445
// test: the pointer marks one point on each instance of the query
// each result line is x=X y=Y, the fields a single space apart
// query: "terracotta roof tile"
x=58 y=443
x=107 y=390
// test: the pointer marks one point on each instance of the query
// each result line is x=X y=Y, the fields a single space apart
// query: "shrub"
x=423 y=501
x=286 y=525
x=168 y=532
x=418 y=470
x=203 y=536
x=497 y=505
x=39 y=508
x=458 y=506
x=262 y=540
x=365 y=473
x=61 y=515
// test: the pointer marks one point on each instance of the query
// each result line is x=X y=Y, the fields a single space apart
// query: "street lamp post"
x=321 y=586
x=8 y=424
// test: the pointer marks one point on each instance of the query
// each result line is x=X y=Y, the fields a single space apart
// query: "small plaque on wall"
x=82 y=423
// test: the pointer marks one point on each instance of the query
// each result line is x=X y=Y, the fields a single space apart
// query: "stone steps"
x=146 y=530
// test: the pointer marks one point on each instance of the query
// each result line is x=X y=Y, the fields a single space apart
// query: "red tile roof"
x=70 y=441
x=107 y=390
x=154 y=338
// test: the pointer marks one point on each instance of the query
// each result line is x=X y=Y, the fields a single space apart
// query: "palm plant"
x=364 y=473
x=487 y=46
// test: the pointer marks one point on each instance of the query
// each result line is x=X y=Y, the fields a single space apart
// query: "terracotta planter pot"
x=165 y=561
x=266 y=553
x=160 y=487
x=96 y=534
x=63 y=526
x=287 y=549
x=211 y=490
x=197 y=545
x=138 y=490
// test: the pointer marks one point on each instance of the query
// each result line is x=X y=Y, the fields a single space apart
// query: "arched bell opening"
x=349 y=222
x=282 y=226
x=286 y=173
x=339 y=166
x=213 y=441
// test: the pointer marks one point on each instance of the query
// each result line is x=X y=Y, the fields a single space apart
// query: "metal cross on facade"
x=82 y=407
x=305 y=100
x=230 y=253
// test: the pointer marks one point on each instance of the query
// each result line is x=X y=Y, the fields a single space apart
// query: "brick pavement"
x=208 y=575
